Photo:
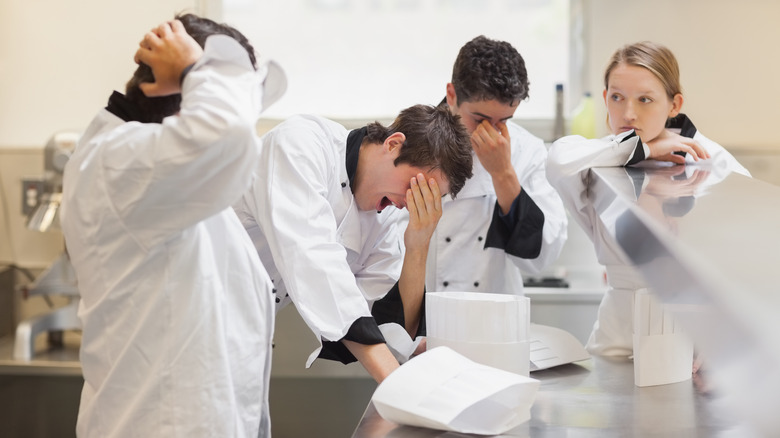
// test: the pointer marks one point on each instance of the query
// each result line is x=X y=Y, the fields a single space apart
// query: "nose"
x=629 y=114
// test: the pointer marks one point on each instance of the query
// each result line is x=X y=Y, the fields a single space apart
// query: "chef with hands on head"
x=176 y=309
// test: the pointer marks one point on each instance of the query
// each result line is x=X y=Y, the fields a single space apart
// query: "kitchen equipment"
x=59 y=278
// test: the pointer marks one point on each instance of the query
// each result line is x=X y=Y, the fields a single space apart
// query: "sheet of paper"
x=441 y=389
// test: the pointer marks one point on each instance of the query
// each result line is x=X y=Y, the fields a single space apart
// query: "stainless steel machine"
x=41 y=204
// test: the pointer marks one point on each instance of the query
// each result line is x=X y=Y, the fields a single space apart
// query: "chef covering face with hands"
x=322 y=214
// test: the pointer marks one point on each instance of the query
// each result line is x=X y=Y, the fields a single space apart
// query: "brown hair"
x=435 y=139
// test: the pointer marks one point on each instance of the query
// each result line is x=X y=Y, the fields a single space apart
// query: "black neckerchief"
x=683 y=123
x=119 y=106
x=354 y=140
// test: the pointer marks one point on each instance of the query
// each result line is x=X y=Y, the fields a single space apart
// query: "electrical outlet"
x=32 y=190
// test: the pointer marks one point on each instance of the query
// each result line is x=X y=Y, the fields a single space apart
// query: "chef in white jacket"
x=644 y=99
x=177 y=311
x=318 y=215
x=507 y=220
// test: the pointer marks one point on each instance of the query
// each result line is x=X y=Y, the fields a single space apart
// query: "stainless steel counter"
x=39 y=398
x=707 y=239
x=47 y=361
x=701 y=237
x=597 y=398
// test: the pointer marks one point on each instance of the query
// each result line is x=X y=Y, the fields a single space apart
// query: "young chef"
x=176 y=309
x=644 y=99
x=318 y=215
x=507 y=218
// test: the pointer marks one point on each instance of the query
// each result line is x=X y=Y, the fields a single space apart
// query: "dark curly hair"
x=435 y=139
x=155 y=109
x=487 y=69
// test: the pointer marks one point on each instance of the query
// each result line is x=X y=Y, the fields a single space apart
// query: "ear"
x=394 y=142
x=452 y=99
x=677 y=102
x=605 y=96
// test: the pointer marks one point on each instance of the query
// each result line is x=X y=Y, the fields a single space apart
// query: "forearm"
x=507 y=187
x=376 y=359
x=411 y=286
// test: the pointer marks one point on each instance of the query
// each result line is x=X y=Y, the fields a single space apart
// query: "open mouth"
x=385 y=202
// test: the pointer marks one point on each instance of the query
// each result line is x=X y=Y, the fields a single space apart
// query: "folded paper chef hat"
x=492 y=329
x=441 y=389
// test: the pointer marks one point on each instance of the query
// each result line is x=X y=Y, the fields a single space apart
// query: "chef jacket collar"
x=354 y=140
x=683 y=123
x=121 y=107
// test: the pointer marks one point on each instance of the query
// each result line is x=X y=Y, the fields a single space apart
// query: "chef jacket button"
x=343 y=184
x=479 y=238
x=273 y=290
x=476 y=284
x=446 y=283
x=447 y=239
x=278 y=300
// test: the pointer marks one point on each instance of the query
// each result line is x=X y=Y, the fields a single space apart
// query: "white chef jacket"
x=323 y=254
x=176 y=308
x=458 y=257
x=568 y=158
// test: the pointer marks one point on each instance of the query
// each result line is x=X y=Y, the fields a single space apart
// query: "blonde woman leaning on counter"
x=644 y=99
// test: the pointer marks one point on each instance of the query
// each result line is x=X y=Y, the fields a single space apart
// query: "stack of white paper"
x=491 y=329
x=441 y=389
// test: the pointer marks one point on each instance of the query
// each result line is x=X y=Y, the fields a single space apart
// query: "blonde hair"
x=656 y=58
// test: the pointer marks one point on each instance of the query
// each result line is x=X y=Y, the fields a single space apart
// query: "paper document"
x=441 y=389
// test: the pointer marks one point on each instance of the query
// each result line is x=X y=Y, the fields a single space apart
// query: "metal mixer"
x=59 y=278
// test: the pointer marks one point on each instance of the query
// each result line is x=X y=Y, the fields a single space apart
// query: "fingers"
x=154 y=38
x=423 y=199
x=664 y=148
x=411 y=206
x=148 y=42
x=177 y=26
x=486 y=139
x=167 y=50
x=699 y=149
x=672 y=158
x=486 y=132
x=504 y=130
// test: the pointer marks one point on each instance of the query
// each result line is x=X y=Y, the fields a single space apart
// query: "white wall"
x=60 y=59
x=728 y=58
x=59 y=62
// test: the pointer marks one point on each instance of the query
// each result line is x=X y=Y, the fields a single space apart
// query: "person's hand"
x=167 y=50
x=666 y=183
x=423 y=200
x=492 y=147
x=422 y=347
x=663 y=148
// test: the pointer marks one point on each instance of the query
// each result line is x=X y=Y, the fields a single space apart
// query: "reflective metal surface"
x=705 y=239
x=708 y=239
x=46 y=360
x=597 y=398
